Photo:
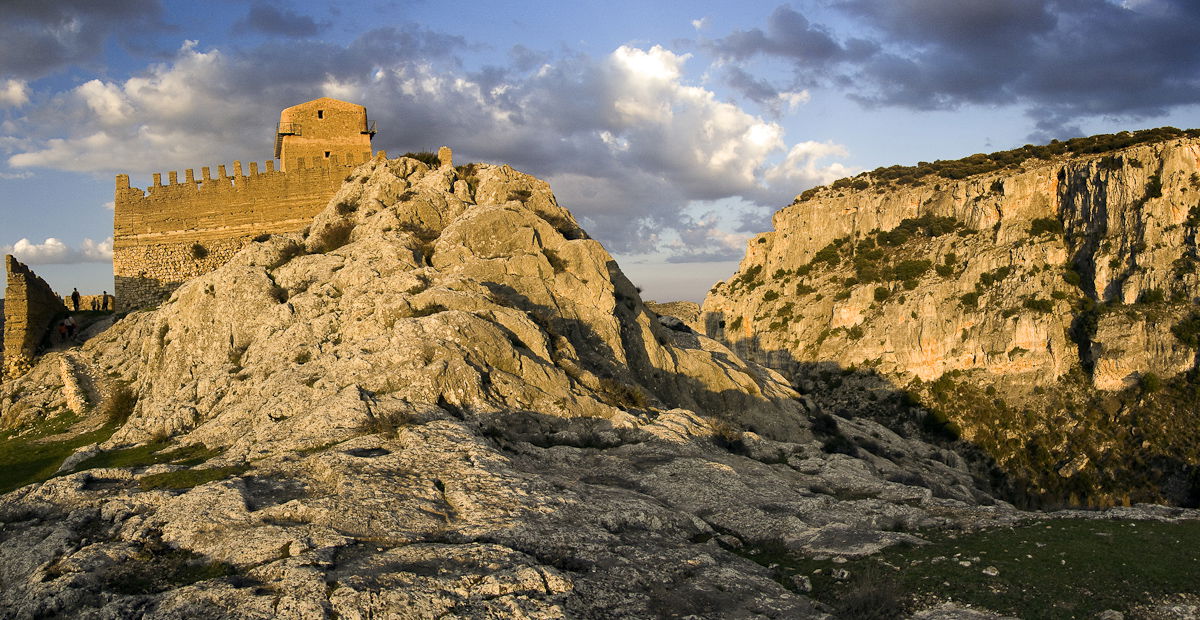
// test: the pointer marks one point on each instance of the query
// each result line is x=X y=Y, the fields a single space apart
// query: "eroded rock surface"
x=445 y=400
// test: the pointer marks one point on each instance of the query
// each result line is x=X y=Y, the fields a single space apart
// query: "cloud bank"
x=53 y=251
x=625 y=139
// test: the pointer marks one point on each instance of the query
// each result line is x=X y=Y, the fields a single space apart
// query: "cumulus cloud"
x=1061 y=60
x=54 y=251
x=13 y=93
x=625 y=139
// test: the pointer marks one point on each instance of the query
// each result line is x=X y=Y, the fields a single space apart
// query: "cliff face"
x=1068 y=272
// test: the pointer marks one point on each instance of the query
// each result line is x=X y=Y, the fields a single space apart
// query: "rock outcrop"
x=1039 y=286
x=443 y=398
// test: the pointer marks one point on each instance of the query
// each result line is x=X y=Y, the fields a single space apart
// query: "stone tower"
x=322 y=129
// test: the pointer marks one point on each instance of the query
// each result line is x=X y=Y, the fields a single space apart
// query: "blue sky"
x=672 y=130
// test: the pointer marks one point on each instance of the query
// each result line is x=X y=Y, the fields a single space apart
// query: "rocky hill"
x=442 y=398
x=1039 y=303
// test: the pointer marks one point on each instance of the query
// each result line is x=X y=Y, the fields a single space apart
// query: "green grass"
x=149 y=454
x=1047 y=569
x=24 y=461
x=188 y=478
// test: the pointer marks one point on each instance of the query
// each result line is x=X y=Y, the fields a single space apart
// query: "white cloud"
x=110 y=205
x=53 y=251
x=627 y=141
x=25 y=174
x=700 y=24
x=14 y=93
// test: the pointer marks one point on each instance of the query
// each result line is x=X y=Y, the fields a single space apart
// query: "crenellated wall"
x=30 y=306
x=184 y=228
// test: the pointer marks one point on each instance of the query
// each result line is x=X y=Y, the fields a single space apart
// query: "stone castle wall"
x=172 y=232
x=30 y=306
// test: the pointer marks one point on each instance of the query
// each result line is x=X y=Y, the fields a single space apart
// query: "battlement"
x=170 y=232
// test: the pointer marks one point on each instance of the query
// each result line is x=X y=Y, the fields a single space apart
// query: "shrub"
x=1043 y=225
x=855 y=333
x=1154 y=187
x=556 y=261
x=944 y=271
x=882 y=293
x=770 y=296
x=1152 y=296
x=429 y=158
x=842 y=295
x=345 y=208
x=1072 y=277
x=873 y=595
x=909 y=285
x=1150 y=383
x=804 y=289
x=120 y=403
x=971 y=300
x=839 y=444
x=622 y=395
x=199 y=252
x=1039 y=305
x=1188 y=330
x=911 y=269
x=520 y=195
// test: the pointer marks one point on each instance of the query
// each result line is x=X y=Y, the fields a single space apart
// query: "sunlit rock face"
x=1044 y=284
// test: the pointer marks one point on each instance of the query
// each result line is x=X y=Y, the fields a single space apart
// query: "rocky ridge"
x=1011 y=303
x=443 y=399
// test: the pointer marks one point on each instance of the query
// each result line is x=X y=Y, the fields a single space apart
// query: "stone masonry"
x=184 y=228
x=30 y=306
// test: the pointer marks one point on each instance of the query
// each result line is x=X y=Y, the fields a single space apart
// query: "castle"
x=175 y=231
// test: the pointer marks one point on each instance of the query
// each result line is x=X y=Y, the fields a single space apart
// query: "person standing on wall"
x=75 y=299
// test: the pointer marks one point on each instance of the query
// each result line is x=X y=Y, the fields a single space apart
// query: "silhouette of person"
x=104 y=300
x=75 y=299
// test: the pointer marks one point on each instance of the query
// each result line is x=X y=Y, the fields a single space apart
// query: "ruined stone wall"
x=172 y=232
x=30 y=306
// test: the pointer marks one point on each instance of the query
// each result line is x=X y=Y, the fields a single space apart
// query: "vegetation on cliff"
x=981 y=163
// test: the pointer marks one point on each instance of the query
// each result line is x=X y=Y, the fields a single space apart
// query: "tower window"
x=320 y=113
x=326 y=154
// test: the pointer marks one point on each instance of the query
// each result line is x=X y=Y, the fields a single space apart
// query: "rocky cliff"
x=441 y=399
x=1037 y=302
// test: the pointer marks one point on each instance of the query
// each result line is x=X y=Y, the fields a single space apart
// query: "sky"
x=672 y=130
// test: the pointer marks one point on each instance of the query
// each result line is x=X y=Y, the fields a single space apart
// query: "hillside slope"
x=1043 y=309
x=442 y=399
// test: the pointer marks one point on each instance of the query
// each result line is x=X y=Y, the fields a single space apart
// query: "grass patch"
x=150 y=454
x=188 y=478
x=24 y=461
x=1045 y=569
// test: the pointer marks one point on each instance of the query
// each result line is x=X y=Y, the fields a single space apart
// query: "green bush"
x=842 y=295
x=970 y=300
x=1154 y=187
x=199 y=252
x=429 y=158
x=945 y=271
x=882 y=293
x=770 y=296
x=804 y=289
x=1038 y=304
x=1152 y=296
x=1044 y=225
x=855 y=333
x=1188 y=330
x=1072 y=277
x=911 y=269
x=1150 y=383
